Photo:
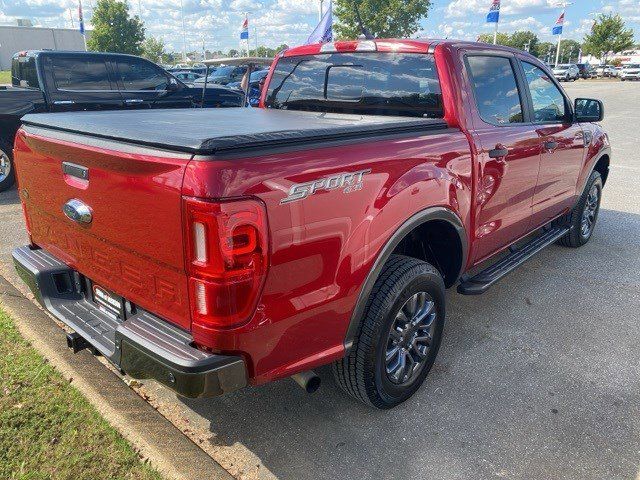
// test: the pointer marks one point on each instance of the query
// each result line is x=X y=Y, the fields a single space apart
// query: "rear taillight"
x=227 y=259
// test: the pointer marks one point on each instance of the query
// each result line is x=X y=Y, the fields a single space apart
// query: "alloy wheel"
x=590 y=211
x=5 y=166
x=410 y=338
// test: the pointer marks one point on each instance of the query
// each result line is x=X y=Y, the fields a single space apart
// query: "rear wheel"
x=7 y=176
x=582 y=219
x=399 y=336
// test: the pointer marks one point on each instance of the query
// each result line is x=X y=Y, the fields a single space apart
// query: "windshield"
x=222 y=72
x=633 y=65
x=562 y=67
x=362 y=83
x=259 y=75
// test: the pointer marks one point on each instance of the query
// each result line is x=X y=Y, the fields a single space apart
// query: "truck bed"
x=220 y=131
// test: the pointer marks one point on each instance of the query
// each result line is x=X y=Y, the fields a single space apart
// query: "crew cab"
x=240 y=246
x=61 y=81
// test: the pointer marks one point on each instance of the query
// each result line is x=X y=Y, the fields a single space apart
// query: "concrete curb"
x=168 y=450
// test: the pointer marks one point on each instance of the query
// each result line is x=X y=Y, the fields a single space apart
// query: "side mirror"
x=588 y=110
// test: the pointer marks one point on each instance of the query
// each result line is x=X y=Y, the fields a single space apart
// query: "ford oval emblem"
x=78 y=211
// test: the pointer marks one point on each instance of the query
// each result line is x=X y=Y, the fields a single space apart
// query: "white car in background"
x=566 y=72
x=630 y=72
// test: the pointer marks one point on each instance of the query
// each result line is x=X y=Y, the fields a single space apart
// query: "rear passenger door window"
x=548 y=103
x=80 y=82
x=495 y=89
x=77 y=73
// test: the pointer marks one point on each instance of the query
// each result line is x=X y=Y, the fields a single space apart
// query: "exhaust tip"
x=309 y=381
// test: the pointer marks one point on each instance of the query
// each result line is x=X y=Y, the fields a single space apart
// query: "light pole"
x=321 y=12
x=184 y=38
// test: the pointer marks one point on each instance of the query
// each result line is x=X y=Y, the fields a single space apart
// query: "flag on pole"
x=494 y=12
x=323 y=33
x=81 y=17
x=557 y=29
x=244 y=33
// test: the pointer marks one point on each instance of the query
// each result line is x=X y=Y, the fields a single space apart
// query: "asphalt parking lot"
x=539 y=378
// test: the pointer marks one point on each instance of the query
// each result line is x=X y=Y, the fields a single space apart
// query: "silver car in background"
x=565 y=72
x=630 y=72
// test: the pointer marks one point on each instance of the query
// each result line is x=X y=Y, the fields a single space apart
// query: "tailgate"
x=133 y=244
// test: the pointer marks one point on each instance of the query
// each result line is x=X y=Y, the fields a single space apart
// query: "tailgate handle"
x=75 y=170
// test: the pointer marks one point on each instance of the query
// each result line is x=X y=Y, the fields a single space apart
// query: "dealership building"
x=17 y=38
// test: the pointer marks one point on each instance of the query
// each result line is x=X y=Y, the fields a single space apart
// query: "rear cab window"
x=372 y=83
x=24 y=72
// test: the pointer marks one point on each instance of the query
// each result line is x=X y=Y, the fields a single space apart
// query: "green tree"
x=608 y=34
x=520 y=40
x=546 y=51
x=569 y=51
x=153 y=49
x=501 y=38
x=233 y=53
x=114 y=30
x=267 y=52
x=525 y=40
x=383 y=18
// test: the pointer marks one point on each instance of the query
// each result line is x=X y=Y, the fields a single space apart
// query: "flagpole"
x=558 y=47
x=495 y=34
x=81 y=19
x=184 y=35
x=246 y=16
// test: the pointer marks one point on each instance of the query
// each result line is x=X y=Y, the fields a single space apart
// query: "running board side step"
x=481 y=282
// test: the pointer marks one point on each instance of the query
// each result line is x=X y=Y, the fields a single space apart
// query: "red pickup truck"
x=211 y=249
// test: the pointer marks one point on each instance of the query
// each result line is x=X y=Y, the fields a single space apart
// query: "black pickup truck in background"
x=58 y=81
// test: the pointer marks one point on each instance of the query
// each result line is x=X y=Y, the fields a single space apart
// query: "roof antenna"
x=365 y=31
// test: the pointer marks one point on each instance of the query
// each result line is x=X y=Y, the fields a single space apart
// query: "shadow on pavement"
x=9 y=197
x=537 y=378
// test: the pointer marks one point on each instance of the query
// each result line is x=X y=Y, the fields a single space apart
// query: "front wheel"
x=582 y=219
x=7 y=176
x=399 y=335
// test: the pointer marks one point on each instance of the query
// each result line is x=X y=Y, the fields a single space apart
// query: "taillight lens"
x=227 y=260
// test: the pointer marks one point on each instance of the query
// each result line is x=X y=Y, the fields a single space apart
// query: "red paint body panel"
x=322 y=248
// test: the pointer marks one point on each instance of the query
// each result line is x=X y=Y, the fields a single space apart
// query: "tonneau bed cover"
x=218 y=131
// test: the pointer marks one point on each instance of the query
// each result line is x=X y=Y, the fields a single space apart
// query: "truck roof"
x=219 y=131
x=36 y=53
x=408 y=45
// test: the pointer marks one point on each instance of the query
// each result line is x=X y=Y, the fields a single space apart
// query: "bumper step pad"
x=143 y=345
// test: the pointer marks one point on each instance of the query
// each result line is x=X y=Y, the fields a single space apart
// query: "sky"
x=274 y=22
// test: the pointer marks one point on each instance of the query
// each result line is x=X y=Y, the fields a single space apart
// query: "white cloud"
x=463 y=8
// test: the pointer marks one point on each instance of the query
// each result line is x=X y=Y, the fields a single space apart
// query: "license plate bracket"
x=108 y=302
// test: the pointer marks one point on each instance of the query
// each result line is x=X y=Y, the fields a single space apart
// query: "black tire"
x=7 y=172
x=363 y=373
x=578 y=235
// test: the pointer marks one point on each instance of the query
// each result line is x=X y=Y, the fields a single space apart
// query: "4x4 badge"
x=349 y=182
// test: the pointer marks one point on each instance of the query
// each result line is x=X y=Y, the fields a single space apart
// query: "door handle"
x=550 y=146
x=63 y=102
x=498 y=152
x=133 y=100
